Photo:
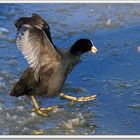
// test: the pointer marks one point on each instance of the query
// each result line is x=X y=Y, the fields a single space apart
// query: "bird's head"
x=82 y=46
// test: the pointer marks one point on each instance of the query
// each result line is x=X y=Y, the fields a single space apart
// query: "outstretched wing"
x=35 y=20
x=36 y=48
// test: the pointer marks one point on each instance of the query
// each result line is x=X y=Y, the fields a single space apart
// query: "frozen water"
x=3 y=30
x=113 y=74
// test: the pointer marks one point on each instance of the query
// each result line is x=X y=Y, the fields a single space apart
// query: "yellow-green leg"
x=41 y=111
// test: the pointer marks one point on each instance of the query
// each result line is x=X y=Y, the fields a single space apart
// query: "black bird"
x=48 y=65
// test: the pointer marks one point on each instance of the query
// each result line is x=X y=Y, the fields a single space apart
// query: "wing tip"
x=33 y=20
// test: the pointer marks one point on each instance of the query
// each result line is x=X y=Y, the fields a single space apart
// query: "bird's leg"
x=41 y=111
x=80 y=99
x=37 y=108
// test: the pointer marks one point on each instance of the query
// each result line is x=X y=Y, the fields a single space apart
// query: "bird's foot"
x=80 y=99
x=44 y=111
x=40 y=112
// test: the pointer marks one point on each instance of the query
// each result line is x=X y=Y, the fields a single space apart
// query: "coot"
x=48 y=65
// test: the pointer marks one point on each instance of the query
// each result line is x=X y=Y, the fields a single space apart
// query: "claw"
x=52 y=107
x=40 y=112
x=44 y=111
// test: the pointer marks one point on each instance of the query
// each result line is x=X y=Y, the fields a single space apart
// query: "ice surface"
x=113 y=74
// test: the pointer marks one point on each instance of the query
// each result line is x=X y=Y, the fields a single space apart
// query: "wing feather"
x=36 y=48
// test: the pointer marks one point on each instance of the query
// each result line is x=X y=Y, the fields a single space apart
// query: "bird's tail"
x=18 y=89
x=24 y=85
